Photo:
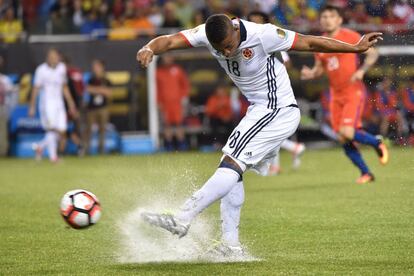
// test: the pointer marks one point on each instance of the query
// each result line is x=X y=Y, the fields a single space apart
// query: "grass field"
x=314 y=221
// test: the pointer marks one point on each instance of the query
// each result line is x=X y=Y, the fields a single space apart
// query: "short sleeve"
x=38 y=77
x=276 y=39
x=196 y=37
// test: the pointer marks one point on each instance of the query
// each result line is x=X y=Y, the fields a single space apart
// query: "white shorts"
x=256 y=139
x=53 y=117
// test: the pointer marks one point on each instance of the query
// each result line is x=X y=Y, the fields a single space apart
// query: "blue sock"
x=366 y=138
x=353 y=153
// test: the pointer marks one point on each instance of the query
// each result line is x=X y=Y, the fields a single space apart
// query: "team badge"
x=247 y=53
x=281 y=33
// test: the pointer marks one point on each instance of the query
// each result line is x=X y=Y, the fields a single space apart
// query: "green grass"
x=314 y=221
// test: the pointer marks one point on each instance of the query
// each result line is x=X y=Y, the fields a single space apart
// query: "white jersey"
x=50 y=81
x=255 y=68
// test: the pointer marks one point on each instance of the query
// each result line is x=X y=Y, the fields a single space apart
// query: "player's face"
x=53 y=58
x=330 y=21
x=228 y=46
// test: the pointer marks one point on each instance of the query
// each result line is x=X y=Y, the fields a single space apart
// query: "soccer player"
x=347 y=91
x=173 y=88
x=246 y=51
x=51 y=81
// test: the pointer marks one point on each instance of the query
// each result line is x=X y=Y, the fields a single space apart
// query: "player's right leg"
x=227 y=175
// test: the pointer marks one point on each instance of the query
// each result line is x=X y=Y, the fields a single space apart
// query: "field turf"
x=313 y=221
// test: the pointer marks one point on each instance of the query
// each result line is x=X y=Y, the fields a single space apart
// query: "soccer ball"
x=80 y=208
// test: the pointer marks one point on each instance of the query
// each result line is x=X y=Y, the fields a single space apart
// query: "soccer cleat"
x=38 y=151
x=223 y=250
x=167 y=222
x=299 y=150
x=383 y=154
x=365 y=178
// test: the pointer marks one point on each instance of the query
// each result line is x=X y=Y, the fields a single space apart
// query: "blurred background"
x=185 y=100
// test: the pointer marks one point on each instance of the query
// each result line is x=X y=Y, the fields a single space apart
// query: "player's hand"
x=306 y=73
x=358 y=75
x=32 y=111
x=368 y=41
x=144 y=56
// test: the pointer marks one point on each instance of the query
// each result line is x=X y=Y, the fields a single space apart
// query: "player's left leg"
x=351 y=127
x=230 y=209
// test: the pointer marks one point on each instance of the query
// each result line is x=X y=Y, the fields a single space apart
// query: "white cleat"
x=300 y=149
x=226 y=251
x=167 y=222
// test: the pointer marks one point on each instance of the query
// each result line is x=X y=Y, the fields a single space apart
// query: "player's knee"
x=229 y=163
x=347 y=133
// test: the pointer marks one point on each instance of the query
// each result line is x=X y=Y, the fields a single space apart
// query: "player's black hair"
x=217 y=27
x=331 y=8
x=263 y=15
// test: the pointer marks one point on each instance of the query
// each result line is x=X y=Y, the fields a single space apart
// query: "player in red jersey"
x=347 y=91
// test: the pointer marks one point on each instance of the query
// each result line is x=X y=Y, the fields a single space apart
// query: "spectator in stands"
x=391 y=19
x=172 y=96
x=219 y=110
x=4 y=5
x=359 y=14
x=61 y=17
x=376 y=9
x=184 y=12
x=99 y=88
x=141 y=23
x=6 y=88
x=76 y=88
x=78 y=16
x=92 y=23
x=104 y=14
x=118 y=8
x=170 y=17
x=408 y=104
x=10 y=27
x=386 y=100
x=404 y=11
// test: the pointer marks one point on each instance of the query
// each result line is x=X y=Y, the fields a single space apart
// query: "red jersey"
x=341 y=66
x=172 y=86
x=219 y=107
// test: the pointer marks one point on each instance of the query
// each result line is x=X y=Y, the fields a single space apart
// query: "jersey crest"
x=247 y=53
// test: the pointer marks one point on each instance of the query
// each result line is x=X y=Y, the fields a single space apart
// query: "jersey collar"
x=243 y=33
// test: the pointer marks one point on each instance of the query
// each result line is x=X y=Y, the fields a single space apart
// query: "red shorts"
x=173 y=116
x=347 y=110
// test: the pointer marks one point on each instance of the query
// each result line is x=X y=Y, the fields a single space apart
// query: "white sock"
x=43 y=143
x=219 y=185
x=230 y=209
x=288 y=145
x=52 y=142
x=276 y=160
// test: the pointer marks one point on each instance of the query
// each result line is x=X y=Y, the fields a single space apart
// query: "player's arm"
x=98 y=90
x=161 y=45
x=370 y=59
x=310 y=43
x=312 y=73
x=32 y=105
x=69 y=100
